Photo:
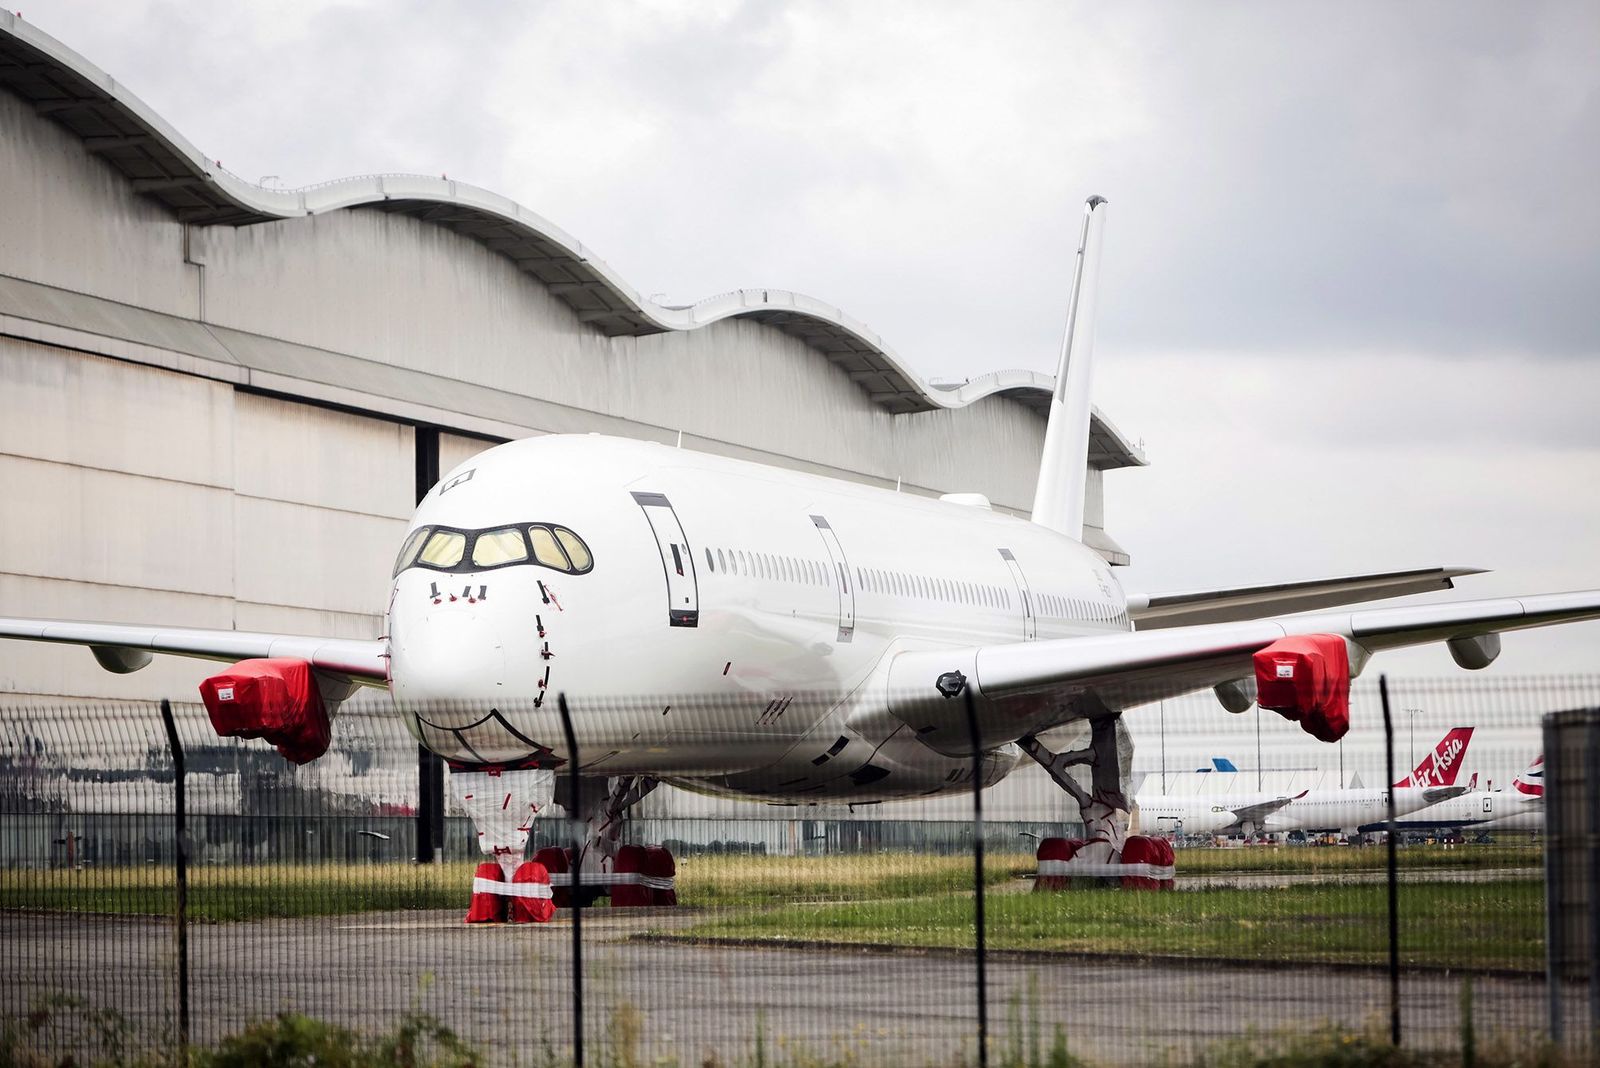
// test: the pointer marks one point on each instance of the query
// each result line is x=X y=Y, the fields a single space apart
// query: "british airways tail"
x=1531 y=782
x=1439 y=767
x=1063 y=466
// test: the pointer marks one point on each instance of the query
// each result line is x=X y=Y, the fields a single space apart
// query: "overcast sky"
x=1351 y=294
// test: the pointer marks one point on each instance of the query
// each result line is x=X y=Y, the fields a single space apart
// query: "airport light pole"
x=1411 y=714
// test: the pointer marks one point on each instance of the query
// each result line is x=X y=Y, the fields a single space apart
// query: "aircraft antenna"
x=1063 y=466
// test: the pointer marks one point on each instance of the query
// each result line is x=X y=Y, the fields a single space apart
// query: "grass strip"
x=1482 y=926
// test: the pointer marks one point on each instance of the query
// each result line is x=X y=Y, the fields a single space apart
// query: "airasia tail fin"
x=1531 y=782
x=1439 y=767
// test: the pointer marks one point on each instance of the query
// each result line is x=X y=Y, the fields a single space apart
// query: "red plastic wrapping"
x=487 y=907
x=658 y=864
x=1055 y=849
x=1140 y=849
x=273 y=699
x=1306 y=678
x=556 y=860
x=532 y=909
x=630 y=861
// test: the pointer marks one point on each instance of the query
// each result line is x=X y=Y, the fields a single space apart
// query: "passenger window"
x=409 y=550
x=711 y=565
x=722 y=561
x=443 y=549
x=495 y=547
x=545 y=549
x=577 y=551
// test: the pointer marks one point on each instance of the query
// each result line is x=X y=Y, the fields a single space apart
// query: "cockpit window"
x=495 y=547
x=409 y=550
x=444 y=548
x=545 y=549
x=577 y=551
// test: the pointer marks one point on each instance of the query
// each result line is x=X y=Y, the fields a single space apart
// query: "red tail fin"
x=1439 y=767
x=1531 y=781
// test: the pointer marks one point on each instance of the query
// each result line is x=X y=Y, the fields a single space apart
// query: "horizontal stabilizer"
x=1157 y=610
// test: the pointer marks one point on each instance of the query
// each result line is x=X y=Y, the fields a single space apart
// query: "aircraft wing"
x=1262 y=809
x=1157 y=610
x=1434 y=794
x=1034 y=686
x=365 y=662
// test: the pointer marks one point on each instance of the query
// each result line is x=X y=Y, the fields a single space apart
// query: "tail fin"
x=1223 y=764
x=1472 y=783
x=1439 y=767
x=1063 y=467
x=1531 y=782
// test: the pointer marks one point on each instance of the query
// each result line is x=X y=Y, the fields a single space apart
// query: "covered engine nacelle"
x=1306 y=678
x=278 y=700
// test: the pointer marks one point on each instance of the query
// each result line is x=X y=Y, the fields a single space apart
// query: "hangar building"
x=219 y=402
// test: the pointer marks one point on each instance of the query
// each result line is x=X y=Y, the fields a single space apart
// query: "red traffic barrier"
x=1052 y=853
x=532 y=900
x=488 y=906
x=627 y=886
x=661 y=871
x=555 y=861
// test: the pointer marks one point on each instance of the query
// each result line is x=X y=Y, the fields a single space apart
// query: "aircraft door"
x=841 y=575
x=1029 y=629
x=683 y=588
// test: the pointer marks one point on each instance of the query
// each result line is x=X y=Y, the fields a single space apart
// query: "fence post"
x=1591 y=777
x=180 y=860
x=1554 y=874
x=981 y=940
x=574 y=799
x=1394 y=886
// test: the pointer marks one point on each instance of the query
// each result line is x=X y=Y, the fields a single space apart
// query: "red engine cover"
x=273 y=699
x=1306 y=678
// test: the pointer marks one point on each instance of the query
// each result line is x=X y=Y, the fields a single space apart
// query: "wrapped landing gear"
x=632 y=876
x=1106 y=851
x=503 y=804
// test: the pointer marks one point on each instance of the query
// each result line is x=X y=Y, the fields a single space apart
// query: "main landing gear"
x=503 y=804
x=1106 y=850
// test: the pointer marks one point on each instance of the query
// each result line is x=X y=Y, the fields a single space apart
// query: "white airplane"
x=1519 y=809
x=734 y=627
x=1347 y=811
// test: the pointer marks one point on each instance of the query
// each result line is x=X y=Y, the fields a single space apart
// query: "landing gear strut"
x=1103 y=806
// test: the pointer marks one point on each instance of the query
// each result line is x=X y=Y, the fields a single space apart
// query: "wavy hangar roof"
x=163 y=166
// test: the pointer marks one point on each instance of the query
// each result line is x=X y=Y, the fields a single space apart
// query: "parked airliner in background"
x=1520 y=808
x=741 y=628
x=1346 y=811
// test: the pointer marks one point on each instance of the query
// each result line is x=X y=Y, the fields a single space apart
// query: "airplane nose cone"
x=448 y=657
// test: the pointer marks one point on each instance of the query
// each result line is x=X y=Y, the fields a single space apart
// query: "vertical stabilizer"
x=1063 y=467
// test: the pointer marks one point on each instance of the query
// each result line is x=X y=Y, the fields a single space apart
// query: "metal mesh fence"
x=813 y=902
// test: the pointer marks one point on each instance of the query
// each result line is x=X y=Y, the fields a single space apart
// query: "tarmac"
x=506 y=989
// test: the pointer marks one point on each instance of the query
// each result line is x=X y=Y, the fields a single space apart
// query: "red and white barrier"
x=661 y=875
x=532 y=900
x=556 y=861
x=488 y=905
x=1053 y=852
x=527 y=898
x=641 y=876
x=1147 y=863
x=1155 y=856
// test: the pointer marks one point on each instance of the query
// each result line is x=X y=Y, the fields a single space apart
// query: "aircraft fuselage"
x=722 y=624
